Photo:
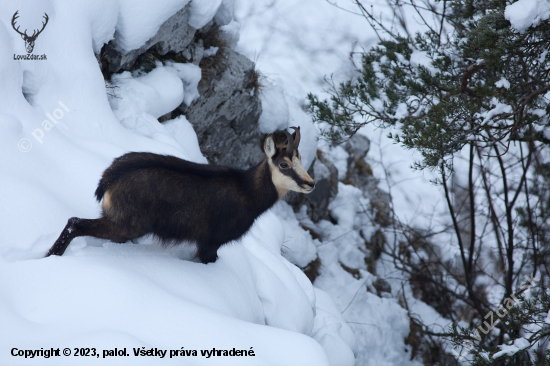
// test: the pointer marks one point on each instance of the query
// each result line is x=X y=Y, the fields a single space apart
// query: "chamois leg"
x=99 y=228
x=208 y=251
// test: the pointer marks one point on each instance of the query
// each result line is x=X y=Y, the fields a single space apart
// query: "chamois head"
x=285 y=164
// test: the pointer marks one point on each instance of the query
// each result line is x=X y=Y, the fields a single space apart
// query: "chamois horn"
x=290 y=146
x=297 y=139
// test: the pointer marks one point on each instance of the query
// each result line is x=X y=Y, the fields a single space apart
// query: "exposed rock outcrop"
x=174 y=35
x=359 y=174
x=225 y=117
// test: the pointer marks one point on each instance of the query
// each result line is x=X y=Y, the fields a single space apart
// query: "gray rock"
x=359 y=174
x=173 y=35
x=357 y=146
x=194 y=52
x=381 y=285
x=225 y=116
x=359 y=171
x=320 y=170
x=376 y=244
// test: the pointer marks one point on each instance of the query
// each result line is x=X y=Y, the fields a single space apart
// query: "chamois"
x=180 y=201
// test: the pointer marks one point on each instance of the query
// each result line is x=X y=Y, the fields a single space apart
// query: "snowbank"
x=126 y=296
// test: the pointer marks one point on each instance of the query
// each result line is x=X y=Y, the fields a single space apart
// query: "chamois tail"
x=123 y=165
x=100 y=191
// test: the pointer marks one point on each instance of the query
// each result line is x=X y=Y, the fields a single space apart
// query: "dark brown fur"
x=177 y=200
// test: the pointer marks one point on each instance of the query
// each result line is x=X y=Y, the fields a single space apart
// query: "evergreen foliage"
x=468 y=87
x=440 y=89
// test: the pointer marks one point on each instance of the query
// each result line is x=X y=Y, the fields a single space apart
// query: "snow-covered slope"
x=128 y=296
x=58 y=131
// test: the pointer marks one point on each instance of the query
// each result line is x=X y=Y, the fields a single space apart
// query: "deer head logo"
x=29 y=40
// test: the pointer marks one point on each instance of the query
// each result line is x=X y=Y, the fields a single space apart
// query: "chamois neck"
x=260 y=185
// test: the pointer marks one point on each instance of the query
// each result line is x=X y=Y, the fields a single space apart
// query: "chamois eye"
x=283 y=166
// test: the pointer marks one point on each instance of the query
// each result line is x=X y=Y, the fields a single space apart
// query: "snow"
x=203 y=11
x=132 y=31
x=526 y=13
x=328 y=322
x=298 y=247
x=339 y=158
x=225 y=12
x=280 y=111
x=155 y=93
x=421 y=58
x=297 y=44
x=231 y=33
x=275 y=110
x=119 y=296
x=379 y=324
x=343 y=240
x=498 y=109
x=401 y=111
x=503 y=83
x=190 y=75
x=518 y=345
x=298 y=65
x=210 y=52
x=181 y=129
x=345 y=206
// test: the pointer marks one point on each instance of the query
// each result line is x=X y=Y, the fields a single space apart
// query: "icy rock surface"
x=225 y=117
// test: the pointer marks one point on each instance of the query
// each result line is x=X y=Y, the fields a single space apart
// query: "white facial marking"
x=284 y=183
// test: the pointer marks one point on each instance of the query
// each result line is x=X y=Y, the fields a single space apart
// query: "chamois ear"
x=269 y=146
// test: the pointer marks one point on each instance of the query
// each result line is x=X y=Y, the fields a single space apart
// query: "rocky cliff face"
x=225 y=116
x=175 y=35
